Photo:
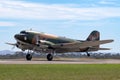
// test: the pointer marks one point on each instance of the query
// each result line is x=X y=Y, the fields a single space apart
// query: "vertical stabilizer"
x=94 y=36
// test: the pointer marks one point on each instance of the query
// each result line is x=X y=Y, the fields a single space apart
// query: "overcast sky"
x=71 y=18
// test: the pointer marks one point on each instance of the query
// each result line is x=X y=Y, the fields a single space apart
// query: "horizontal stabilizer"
x=95 y=48
x=103 y=48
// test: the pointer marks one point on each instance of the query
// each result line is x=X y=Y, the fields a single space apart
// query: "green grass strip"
x=60 y=72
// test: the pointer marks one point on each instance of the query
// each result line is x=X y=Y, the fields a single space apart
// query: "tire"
x=49 y=57
x=28 y=57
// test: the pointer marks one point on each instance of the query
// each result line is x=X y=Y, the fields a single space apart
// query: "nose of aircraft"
x=16 y=36
x=20 y=37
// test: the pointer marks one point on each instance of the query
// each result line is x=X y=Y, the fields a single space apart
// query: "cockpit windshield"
x=23 y=32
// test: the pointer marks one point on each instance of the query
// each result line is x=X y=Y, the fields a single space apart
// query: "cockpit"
x=22 y=36
x=24 y=32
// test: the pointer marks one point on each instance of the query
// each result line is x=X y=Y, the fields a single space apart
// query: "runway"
x=61 y=61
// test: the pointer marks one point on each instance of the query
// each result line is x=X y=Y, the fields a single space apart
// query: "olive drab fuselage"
x=32 y=38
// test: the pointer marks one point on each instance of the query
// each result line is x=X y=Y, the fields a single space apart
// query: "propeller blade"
x=13 y=47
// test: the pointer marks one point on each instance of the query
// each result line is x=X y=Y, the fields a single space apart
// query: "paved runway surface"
x=61 y=61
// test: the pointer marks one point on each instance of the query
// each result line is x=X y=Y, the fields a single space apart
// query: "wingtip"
x=10 y=43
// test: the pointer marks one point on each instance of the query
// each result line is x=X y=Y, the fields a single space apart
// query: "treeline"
x=97 y=55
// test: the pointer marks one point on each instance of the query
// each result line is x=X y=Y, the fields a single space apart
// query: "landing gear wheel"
x=28 y=57
x=49 y=57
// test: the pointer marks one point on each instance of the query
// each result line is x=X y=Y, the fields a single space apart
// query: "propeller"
x=13 y=47
x=37 y=40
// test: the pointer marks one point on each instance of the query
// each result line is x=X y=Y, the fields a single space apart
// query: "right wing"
x=103 y=48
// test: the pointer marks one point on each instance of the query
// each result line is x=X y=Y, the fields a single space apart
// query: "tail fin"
x=94 y=36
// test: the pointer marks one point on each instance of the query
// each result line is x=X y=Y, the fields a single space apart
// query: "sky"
x=70 y=18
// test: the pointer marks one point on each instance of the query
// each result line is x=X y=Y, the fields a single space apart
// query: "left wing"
x=81 y=44
x=13 y=44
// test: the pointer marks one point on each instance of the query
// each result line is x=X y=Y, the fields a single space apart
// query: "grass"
x=60 y=72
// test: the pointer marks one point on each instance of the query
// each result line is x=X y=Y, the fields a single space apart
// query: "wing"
x=81 y=44
x=103 y=48
x=27 y=46
x=13 y=44
x=65 y=47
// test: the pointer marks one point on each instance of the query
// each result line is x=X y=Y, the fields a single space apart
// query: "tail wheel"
x=28 y=57
x=49 y=57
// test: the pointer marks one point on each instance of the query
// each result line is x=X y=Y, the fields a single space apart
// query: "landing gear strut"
x=49 y=57
x=88 y=54
x=29 y=57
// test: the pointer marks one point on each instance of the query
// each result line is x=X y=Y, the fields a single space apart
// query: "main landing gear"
x=49 y=57
x=28 y=57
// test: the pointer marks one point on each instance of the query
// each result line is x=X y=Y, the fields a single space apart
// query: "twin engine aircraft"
x=50 y=44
